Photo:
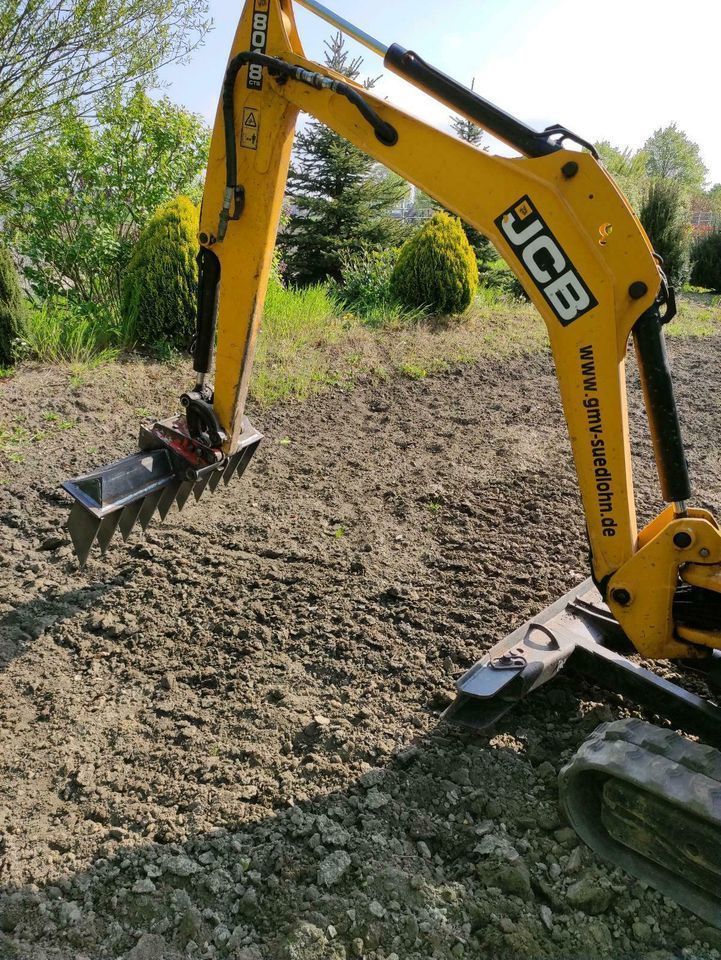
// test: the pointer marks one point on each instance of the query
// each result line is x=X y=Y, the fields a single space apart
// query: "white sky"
x=607 y=69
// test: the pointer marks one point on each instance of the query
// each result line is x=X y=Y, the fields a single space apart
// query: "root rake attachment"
x=170 y=466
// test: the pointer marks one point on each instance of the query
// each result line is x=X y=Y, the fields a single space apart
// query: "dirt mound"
x=223 y=740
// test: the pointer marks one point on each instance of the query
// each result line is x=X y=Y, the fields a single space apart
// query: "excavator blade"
x=129 y=492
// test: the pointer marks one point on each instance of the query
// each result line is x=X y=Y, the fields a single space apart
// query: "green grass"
x=57 y=332
x=294 y=352
x=699 y=315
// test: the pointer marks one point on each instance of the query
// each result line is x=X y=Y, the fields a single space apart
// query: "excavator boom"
x=586 y=263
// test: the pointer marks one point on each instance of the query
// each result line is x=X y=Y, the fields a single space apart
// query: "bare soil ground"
x=224 y=740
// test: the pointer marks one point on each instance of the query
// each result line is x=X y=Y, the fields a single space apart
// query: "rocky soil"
x=224 y=740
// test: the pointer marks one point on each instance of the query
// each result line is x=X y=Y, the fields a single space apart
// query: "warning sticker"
x=251 y=127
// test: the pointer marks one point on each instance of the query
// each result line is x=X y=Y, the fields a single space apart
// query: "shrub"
x=161 y=280
x=12 y=310
x=366 y=280
x=707 y=261
x=496 y=275
x=663 y=216
x=436 y=268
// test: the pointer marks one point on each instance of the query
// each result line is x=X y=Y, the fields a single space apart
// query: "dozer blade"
x=168 y=469
x=577 y=632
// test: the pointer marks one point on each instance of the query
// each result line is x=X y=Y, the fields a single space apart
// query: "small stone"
x=547 y=917
x=149 y=947
x=321 y=721
x=375 y=799
x=641 y=930
x=333 y=867
x=574 y=862
x=179 y=866
x=144 y=885
x=423 y=849
x=376 y=909
x=546 y=770
x=221 y=935
x=515 y=879
x=588 y=896
x=357 y=947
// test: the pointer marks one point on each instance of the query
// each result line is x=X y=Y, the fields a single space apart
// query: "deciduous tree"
x=69 y=52
x=79 y=201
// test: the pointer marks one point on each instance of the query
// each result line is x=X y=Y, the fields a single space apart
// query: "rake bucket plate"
x=169 y=467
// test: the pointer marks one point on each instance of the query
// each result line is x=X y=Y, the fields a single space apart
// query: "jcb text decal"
x=546 y=262
x=258 y=41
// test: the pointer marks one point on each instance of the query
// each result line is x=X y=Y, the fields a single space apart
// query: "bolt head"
x=621 y=596
x=637 y=290
x=569 y=169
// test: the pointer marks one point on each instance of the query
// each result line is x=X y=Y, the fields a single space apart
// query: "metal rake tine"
x=200 y=485
x=148 y=508
x=128 y=517
x=216 y=477
x=108 y=526
x=83 y=527
x=245 y=459
x=168 y=498
x=186 y=488
x=229 y=471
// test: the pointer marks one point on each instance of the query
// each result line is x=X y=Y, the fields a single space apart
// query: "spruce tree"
x=470 y=132
x=340 y=199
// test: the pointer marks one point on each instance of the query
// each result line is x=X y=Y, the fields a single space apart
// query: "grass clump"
x=60 y=331
x=294 y=356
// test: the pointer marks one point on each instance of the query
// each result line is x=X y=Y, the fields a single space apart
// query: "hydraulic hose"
x=385 y=132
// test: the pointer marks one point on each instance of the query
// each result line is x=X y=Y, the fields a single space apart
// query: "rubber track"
x=661 y=762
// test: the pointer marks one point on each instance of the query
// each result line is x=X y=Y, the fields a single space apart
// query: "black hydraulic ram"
x=660 y=402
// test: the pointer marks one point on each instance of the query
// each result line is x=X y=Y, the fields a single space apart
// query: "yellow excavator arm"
x=562 y=225
x=582 y=256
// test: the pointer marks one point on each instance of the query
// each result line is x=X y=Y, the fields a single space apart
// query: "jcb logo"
x=544 y=259
x=258 y=41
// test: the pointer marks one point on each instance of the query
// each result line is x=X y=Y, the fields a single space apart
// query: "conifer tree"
x=161 y=280
x=470 y=132
x=12 y=310
x=664 y=219
x=340 y=199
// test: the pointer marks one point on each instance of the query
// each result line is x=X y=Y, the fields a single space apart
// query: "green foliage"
x=436 y=268
x=497 y=277
x=366 y=283
x=707 y=261
x=465 y=129
x=62 y=331
x=664 y=218
x=628 y=169
x=68 y=53
x=672 y=155
x=340 y=198
x=161 y=280
x=12 y=310
x=79 y=202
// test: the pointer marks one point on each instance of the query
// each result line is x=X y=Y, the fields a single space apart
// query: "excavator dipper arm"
x=582 y=256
